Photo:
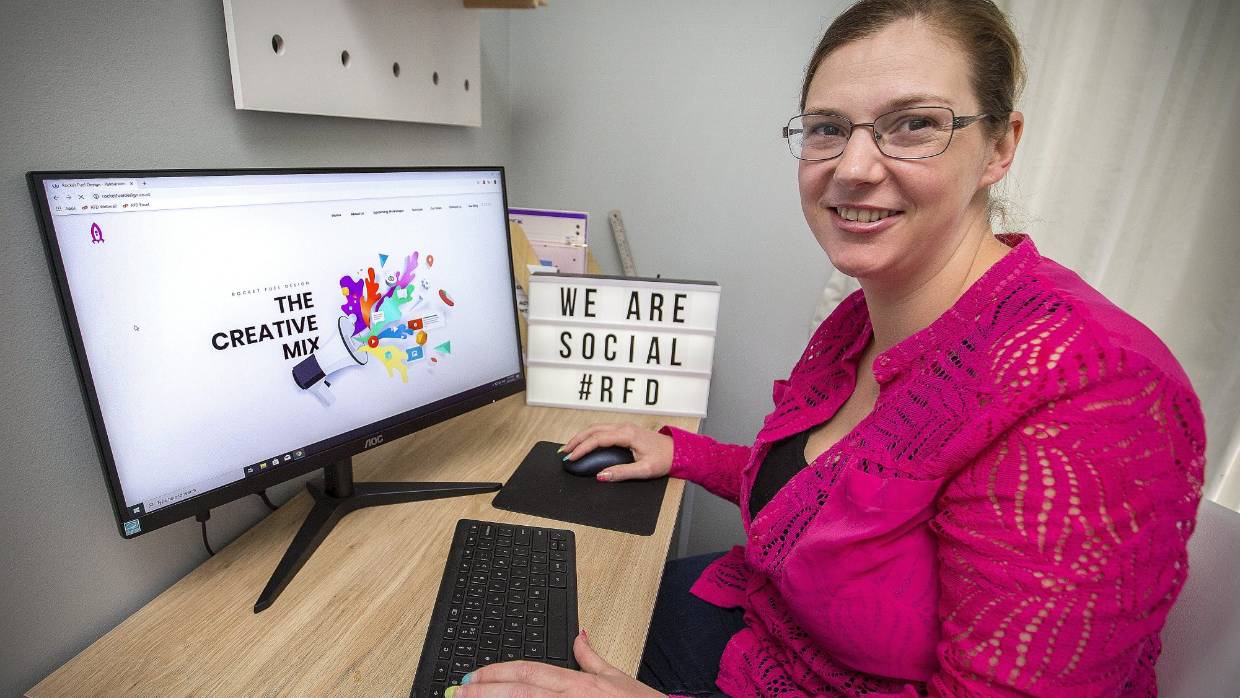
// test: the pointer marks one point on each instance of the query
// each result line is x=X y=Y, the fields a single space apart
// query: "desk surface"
x=353 y=619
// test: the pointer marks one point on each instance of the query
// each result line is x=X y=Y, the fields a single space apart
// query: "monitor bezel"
x=352 y=442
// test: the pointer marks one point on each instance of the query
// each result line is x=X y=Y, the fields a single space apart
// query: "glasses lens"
x=818 y=136
x=919 y=132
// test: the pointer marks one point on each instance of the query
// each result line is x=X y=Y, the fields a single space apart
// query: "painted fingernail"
x=565 y=457
x=450 y=693
x=605 y=477
x=467 y=678
x=585 y=634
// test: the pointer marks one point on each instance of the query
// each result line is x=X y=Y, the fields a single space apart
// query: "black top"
x=785 y=459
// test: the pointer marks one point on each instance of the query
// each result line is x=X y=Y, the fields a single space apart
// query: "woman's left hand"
x=532 y=679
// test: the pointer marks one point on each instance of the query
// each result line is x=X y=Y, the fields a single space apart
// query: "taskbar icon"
x=274 y=462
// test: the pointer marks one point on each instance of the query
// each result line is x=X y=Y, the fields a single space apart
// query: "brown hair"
x=977 y=26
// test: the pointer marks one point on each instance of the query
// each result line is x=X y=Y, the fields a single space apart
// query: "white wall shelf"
x=398 y=60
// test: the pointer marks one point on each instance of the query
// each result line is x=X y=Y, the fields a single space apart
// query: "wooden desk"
x=353 y=620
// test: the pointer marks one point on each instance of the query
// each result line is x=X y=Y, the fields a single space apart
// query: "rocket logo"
x=96 y=234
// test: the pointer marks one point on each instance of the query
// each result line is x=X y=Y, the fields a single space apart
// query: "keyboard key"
x=534 y=650
x=512 y=640
x=445 y=651
x=538 y=541
x=468 y=633
x=535 y=635
x=463 y=665
x=441 y=672
x=558 y=581
x=489 y=643
x=558 y=640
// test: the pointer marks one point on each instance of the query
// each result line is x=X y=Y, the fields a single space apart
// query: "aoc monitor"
x=235 y=329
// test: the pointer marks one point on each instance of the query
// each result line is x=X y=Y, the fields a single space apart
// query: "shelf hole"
x=396 y=69
x=435 y=77
x=344 y=58
x=277 y=44
x=467 y=84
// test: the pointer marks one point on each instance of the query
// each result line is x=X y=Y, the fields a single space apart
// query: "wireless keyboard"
x=508 y=592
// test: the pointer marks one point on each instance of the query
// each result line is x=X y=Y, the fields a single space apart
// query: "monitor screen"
x=235 y=329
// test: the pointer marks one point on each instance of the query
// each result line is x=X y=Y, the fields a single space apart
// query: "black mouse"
x=598 y=459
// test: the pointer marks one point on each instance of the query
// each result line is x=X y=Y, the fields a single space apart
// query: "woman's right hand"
x=652 y=451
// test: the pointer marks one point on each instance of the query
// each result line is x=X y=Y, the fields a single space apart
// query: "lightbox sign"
x=615 y=343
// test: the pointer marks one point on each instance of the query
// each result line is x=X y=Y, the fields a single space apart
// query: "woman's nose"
x=862 y=161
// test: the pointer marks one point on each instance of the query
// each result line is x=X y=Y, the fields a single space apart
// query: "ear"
x=1004 y=150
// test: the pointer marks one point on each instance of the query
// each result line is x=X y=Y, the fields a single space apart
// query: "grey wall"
x=671 y=113
x=132 y=84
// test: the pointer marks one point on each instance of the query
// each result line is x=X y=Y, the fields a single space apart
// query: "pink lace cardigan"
x=1010 y=519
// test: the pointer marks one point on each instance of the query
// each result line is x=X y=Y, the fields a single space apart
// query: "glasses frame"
x=957 y=123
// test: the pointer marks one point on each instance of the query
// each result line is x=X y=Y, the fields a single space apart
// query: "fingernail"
x=450 y=693
x=467 y=678
x=585 y=634
x=565 y=457
x=605 y=477
x=559 y=450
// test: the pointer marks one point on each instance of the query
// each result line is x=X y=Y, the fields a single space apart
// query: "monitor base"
x=337 y=495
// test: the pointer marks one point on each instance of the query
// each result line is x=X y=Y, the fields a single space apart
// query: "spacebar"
x=557 y=624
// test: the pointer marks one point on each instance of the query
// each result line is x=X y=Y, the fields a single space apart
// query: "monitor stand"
x=337 y=495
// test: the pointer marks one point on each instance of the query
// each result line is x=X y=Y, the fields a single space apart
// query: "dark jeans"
x=687 y=635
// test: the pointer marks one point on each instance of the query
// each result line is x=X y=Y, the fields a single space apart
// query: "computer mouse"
x=591 y=463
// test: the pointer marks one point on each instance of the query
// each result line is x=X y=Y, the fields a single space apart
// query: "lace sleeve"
x=711 y=464
x=1062 y=548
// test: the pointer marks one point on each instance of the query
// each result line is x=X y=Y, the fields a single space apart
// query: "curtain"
x=1129 y=174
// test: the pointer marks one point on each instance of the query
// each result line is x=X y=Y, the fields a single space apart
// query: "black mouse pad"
x=542 y=488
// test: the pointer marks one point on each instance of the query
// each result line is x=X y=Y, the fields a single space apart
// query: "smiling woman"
x=981 y=475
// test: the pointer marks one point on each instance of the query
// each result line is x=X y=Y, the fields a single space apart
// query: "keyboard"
x=508 y=592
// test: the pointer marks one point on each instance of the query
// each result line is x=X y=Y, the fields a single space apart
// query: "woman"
x=980 y=477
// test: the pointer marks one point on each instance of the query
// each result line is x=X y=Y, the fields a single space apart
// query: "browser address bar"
x=251 y=195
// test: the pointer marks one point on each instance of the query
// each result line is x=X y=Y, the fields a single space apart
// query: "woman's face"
x=934 y=204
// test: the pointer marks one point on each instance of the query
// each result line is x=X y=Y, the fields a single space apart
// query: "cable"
x=262 y=494
x=202 y=517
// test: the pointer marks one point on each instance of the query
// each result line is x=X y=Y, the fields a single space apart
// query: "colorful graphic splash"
x=393 y=317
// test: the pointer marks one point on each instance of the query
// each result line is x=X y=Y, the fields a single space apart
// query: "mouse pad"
x=542 y=488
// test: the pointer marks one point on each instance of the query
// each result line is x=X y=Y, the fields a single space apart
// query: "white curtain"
x=1129 y=173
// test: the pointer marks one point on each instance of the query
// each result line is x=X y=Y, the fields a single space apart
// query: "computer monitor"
x=235 y=329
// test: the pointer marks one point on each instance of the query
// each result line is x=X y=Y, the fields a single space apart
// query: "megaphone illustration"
x=339 y=353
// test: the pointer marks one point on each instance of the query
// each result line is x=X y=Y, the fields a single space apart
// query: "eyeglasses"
x=904 y=134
